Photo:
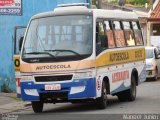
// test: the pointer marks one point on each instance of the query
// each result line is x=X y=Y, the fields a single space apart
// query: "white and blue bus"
x=76 y=54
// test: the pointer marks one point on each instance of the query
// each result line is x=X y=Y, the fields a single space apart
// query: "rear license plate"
x=53 y=87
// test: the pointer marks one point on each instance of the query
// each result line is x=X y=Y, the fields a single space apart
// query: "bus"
x=75 y=54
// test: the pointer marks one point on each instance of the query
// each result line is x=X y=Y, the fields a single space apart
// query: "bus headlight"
x=83 y=75
x=27 y=78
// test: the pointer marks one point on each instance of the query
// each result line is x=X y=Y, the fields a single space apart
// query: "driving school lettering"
x=124 y=56
x=138 y=54
x=49 y=67
x=119 y=56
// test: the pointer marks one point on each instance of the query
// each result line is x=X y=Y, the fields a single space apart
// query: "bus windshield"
x=58 y=38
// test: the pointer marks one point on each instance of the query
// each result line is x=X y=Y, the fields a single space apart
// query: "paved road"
x=147 y=102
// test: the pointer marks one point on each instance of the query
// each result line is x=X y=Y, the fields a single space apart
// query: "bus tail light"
x=18 y=81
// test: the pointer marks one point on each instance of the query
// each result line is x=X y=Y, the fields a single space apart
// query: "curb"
x=27 y=104
x=11 y=107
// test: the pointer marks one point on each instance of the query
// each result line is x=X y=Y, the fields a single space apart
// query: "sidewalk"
x=9 y=102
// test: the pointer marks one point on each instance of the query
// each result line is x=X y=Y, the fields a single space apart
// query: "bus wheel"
x=130 y=94
x=37 y=106
x=102 y=101
x=132 y=91
x=122 y=96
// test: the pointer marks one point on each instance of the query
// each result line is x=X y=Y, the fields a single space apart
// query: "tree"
x=137 y=2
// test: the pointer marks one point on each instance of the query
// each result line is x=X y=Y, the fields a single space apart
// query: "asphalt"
x=9 y=102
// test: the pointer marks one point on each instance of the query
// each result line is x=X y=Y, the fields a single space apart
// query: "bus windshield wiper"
x=60 y=50
x=46 y=53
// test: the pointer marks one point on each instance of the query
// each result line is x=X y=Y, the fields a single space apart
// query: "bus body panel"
x=73 y=90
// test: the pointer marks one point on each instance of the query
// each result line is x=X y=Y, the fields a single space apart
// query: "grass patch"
x=15 y=98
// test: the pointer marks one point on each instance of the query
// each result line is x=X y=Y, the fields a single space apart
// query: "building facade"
x=153 y=26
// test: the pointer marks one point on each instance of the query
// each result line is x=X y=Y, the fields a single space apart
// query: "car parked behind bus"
x=152 y=63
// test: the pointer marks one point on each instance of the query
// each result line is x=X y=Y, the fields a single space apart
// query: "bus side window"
x=100 y=38
x=119 y=34
x=128 y=33
x=137 y=33
x=109 y=33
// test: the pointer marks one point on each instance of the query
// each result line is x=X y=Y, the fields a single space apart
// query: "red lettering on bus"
x=119 y=76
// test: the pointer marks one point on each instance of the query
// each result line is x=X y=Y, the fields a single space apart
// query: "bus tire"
x=122 y=96
x=37 y=106
x=131 y=93
x=102 y=101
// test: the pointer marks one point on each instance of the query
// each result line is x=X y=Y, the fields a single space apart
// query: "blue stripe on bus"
x=89 y=92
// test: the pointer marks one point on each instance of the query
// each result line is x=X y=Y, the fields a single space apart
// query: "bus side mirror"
x=20 y=43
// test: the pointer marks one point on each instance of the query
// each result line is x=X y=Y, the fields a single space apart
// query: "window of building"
x=156 y=30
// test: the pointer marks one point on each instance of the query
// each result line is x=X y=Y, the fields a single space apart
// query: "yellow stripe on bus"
x=121 y=56
x=17 y=62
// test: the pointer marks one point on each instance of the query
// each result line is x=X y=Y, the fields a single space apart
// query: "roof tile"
x=155 y=15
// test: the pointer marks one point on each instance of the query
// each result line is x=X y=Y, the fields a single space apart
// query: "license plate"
x=53 y=87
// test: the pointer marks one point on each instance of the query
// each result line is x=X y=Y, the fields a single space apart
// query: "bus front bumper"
x=81 y=89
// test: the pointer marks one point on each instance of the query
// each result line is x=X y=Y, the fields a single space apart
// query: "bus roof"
x=83 y=10
x=114 y=14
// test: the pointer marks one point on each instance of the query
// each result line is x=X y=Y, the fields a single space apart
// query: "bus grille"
x=53 y=78
x=55 y=95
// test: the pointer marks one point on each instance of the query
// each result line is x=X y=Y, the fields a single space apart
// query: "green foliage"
x=137 y=2
x=133 y=2
x=115 y=1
